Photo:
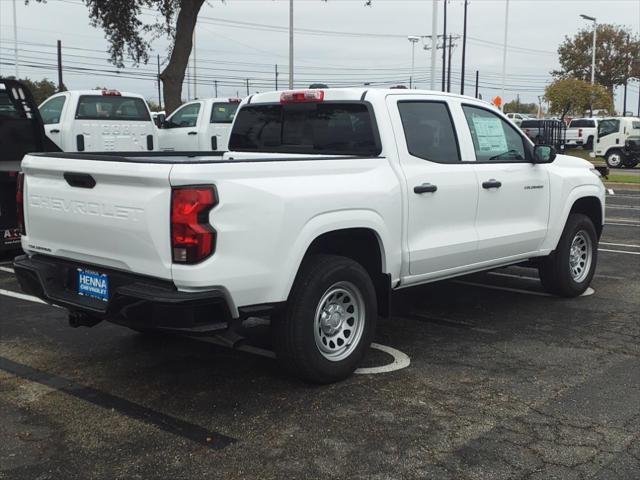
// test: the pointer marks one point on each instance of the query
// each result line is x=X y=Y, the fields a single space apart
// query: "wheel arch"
x=363 y=243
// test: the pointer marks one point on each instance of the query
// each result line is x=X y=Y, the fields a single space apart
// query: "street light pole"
x=504 y=52
x=413 y=39
x=593 y=49
x=15 y=39
x=464 y=45
x=434 y=43
x=290 y=44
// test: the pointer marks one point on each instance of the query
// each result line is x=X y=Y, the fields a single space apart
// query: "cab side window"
x=186 y=116
x=607 y=127
x=51 y=110
x=429 y=131
x=494 y=139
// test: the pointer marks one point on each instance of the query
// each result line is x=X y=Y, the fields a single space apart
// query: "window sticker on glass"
x=490 y=134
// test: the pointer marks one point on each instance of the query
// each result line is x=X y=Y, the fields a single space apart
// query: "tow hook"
x=79 y=319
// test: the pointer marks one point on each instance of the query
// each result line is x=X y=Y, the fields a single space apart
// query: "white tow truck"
x=99 y=121
x=199 y=126
x=327 y=201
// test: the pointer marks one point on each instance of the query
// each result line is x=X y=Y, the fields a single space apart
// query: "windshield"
x=332 y=128
x=103 y=107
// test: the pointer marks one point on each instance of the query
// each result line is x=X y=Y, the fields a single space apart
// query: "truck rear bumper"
x=134 y=301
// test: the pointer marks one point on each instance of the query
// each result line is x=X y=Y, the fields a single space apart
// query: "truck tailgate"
x=121 y=222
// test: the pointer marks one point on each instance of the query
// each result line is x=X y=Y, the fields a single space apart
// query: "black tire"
x=615 y=159
x=555 y=270
x=589 y=144
x=293 y=330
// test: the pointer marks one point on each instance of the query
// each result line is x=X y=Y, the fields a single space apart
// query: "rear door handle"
x=55 y=130
x=493 y=183
x=425 y=188
x=192 y=133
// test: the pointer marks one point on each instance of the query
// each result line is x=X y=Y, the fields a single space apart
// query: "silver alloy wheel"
x=614 y=160
x=339 y=321
x=580 y=256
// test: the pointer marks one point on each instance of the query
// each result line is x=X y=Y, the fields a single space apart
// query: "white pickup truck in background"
x=327 y=201
x=199 y=126
x=99 y=121
x=582 y=132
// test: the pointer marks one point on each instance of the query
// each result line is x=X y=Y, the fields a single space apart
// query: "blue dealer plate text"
x=93 y=284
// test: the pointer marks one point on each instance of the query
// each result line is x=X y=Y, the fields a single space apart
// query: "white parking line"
x=624 y=224
x=511 y=275
x=6 y=269
x=623 y=207
x=22 y=296
x=620 y=245
x=400 y=360
x=506 y=289
x=618 y=251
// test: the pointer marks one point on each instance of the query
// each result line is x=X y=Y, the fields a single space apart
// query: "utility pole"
x=215 y=88
x=276 y=77
x=464 y=45
x=477 y=79
x=504 y=52
x=434 y=43
x=449 y=63
x=15 y=39
x=247 y=87
x=195 y=62
x=413 y=39
x=159 y=86
x=624 y=101
x=60 y=82
x=290 y=44
x=444 y=47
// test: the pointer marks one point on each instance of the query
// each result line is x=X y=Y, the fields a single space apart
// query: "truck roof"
x=77 y=93
x=357 y=94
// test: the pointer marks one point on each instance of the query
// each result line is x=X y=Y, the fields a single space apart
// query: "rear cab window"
x=224 y=112
x=104 y=107
x=582 y=124
x=530 y=124
x=329 y=128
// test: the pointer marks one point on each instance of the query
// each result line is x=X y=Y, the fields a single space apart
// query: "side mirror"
x=166 y=124
x=544 y=154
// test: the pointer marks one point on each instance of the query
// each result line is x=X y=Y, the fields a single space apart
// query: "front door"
x=179 y=131
x=513 y=200
x=51 y=112
x=441 y=190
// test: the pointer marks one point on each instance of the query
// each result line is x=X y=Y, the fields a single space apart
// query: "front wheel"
x=329 y=321
x=614 y=159
x=568 y=271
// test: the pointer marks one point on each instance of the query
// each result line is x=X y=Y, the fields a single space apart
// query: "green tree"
x=574 y=96
x=516 y=106
x=40 y=89
x=616 y=49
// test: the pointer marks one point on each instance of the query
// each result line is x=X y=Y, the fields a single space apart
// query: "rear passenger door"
x=513 y=200
x=442 y=192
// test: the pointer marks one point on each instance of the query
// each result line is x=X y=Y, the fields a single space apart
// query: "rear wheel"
x=614 y=159
x=329 y=321
x=568 y=271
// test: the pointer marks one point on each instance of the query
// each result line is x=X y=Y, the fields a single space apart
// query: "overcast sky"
x=351 y=44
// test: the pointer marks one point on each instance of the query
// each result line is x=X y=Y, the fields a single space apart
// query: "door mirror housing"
x=544 y=154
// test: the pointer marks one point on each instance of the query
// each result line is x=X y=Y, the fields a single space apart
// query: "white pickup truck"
x=199 y=126
x=98 y=121
x=582 y=132
x=327 y=202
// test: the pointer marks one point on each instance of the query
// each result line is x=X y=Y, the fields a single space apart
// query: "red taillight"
x=20 y=203
x=235 y=100
x=302 y=96
x=579 y=133
x=111 y=93
x=192 y=237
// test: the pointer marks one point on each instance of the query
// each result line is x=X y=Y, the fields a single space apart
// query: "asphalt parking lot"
x=504 y=381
